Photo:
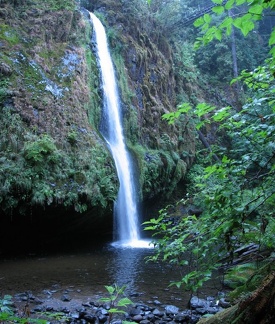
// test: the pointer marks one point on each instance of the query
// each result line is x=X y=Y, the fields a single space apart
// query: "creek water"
x=84 y=272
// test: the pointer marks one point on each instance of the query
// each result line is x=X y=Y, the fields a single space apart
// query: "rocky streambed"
x=63 y=306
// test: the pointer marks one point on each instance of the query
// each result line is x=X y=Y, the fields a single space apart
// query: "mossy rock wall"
x=51 y=152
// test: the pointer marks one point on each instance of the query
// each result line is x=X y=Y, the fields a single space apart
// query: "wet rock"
x=134 y=294
x=64 y=310
x=75 y=315
x=103 y=311
x=171 y=309
x=196 y=302
x=137 y=318
x=90 y=318
x=150 y=317
x=66 y=298
x=158 y=313
x=38 y=309
x=183 y=316
x=46 y=292
x=145 y=322
x=134 y=311
x=223 y=303
x=201 y=310
x=157 y=302
x=37 y=301
x=49 y=308
x=102 y=318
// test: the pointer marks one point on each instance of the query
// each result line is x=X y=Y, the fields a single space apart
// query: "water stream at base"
x=126 y=216
x=85 y=271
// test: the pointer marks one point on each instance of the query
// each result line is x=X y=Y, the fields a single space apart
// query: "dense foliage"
x=235 y=191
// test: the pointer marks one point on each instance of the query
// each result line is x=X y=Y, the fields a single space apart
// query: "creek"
x=84 y=272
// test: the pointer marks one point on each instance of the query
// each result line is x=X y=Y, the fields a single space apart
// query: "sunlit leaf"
x=218 y=9
x=207 y=18
x=229 y=4
x=256 y=9
x=218 y=34
x=199 y=22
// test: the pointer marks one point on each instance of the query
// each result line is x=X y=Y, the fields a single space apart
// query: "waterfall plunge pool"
x=84 y=273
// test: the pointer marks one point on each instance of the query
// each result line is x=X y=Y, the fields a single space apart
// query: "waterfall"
x=126 y=215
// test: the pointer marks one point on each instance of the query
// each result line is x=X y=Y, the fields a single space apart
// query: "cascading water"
x=126 y=213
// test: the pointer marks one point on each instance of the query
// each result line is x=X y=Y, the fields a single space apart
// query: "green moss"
x=4 y=84
x=159 y=172
x=245 y=278
x=55 y=5
x=94 y=106
x=239 y=274
x=33 y=171
x=8 y=34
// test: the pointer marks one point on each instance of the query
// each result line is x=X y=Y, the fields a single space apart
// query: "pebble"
x=157 y=313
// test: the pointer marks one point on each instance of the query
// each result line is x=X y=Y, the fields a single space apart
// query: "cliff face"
x=51 y=151
x=145 y=66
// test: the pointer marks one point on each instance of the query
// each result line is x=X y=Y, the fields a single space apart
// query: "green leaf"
x=256 y=9
x=203 y=108
x=116 y=311
x=110 y=289
x=225 y=159
x=207 y=18
x=238 y=22
x=271 y=40
x=218 y=34
x=226 y=22
x=240 y=2
x=184 y=107
x=221 y=114
x=247 y=27
x=229 y=4
x=219 y=2
x=105 y=299
x=124 y=302
x=218 y=9
x=199 y=22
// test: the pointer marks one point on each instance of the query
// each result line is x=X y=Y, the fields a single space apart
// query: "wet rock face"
x=144 y=62
x=52 y=87
x=44 y=64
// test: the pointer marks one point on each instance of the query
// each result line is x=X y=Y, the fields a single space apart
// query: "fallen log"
x=257 y=308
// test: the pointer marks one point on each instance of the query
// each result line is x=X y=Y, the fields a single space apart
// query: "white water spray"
x=126 y=214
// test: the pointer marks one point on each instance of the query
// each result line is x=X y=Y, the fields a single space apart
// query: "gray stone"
x=65 y=298
x=137 y=318
x=171 y=309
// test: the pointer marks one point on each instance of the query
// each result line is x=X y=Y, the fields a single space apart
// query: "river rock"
x=158 y=313
x=196 y=302
x=223 y=303
x=171 y=309
x=137 y=318
x=144 y=322
x=90 y=318
x=66 y=298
